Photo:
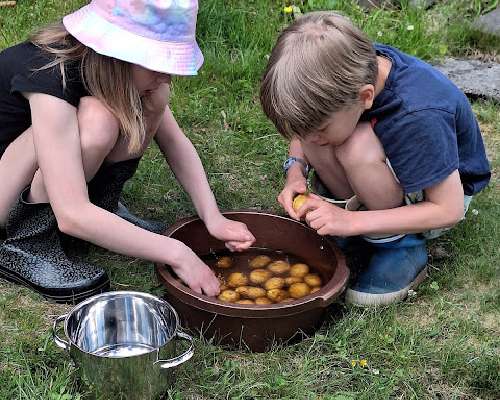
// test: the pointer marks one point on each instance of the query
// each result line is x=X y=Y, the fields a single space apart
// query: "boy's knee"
x=362 y=147
x=99 y=128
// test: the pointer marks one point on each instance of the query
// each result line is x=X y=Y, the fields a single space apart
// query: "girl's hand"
x=235 y=234
x=295 y=184
x=196 y=274
x=326 y=218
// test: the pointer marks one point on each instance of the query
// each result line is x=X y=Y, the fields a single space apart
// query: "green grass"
x=443 y=343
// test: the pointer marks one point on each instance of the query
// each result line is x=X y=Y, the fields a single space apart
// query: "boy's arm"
x=295 y=150
x=443 y=207
x=188 y=169
x=295 y=181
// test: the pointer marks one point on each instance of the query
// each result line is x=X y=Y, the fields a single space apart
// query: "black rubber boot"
x=107 y=186
x=32 y=256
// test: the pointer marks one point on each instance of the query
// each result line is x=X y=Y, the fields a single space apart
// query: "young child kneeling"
x=386 y=134
x=80 y=103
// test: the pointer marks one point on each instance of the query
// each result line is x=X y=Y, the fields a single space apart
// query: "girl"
x=79 y=104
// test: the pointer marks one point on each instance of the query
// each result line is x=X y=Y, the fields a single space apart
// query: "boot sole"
x=363 y=299
x=68 y=298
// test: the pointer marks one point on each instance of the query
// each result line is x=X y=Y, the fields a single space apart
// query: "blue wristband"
x=291 y=160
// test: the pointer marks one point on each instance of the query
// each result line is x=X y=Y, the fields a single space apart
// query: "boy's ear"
x=366 y=96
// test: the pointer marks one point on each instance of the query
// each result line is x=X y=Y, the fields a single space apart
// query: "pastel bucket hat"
x=159 y=35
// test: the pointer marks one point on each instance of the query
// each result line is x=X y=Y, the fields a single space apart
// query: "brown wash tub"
x=257 y=326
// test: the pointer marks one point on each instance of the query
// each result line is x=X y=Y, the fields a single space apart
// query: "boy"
x=380 y=128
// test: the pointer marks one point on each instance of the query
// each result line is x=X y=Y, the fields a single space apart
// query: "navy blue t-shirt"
x=427 y=127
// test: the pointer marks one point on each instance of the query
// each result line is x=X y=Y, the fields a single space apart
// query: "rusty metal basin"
x=256 y=327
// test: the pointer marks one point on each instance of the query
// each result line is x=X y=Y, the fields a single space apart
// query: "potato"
x=229 y=296
x=274 y=283
x=263 y=300
x=224 y=262
x=278 y=267
x=298 y=290
x=277 y=295
x=250 y=292
x=259 y=261
x=259 y=276
x=299 y=270
x=241 y=290
x=298 y=201
x=244 y=301
x=312 y=280
x=255 y=292
x=291 y=280
x=236 y=279
x=315 y=289
x=287 y=300
x=223 y=284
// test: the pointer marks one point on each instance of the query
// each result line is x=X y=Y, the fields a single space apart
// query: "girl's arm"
x=188 y=169
x=443 y=207
x=57 y=146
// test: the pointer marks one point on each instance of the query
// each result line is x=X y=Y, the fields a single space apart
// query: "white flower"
x=410 y=27
x=475 y=212
x=379 y=33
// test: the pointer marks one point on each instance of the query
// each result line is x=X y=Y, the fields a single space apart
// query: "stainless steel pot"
x=124 y=344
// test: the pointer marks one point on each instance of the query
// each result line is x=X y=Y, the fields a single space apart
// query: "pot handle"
x=174 y=362
x=63 y=344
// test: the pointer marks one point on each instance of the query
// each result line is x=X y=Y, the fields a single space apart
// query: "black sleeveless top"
x=19 y=73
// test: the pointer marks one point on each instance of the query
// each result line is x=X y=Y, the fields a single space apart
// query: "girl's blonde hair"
x=106 y=78
x=317 y=67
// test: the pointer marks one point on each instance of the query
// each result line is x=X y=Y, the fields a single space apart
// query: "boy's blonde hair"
x=317 y=67
x=106 y=78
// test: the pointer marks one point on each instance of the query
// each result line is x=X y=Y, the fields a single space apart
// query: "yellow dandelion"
x=353 y=363
x=288 y=10
x=363 y=363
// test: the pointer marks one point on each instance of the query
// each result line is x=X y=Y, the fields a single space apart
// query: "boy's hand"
x=326 y=218
x=235 y=234
x=295 y=184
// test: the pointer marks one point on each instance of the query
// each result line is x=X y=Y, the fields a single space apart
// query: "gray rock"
x=369 y=4
x=475 y=78
x=489 y=23
x=422 y=3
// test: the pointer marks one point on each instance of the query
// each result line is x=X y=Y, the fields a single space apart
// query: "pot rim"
x=119 y=293
x=322 y=298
